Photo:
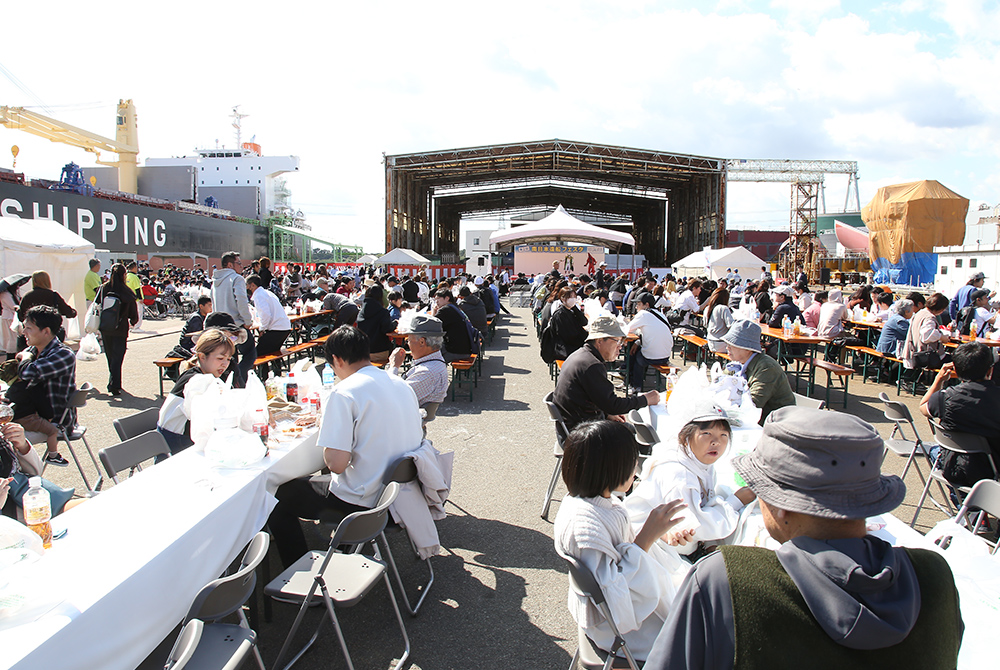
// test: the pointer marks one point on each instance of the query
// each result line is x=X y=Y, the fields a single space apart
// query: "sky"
x=907 y=89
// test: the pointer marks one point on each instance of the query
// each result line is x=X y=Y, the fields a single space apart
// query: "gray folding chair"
x=561 y=433
x=644 y=433
x=404 y=471
x=589 y=654
x=899 y=414
x=958 y=443
x=806 y=401
x=184 y=647
x=340 y=580
x=224 y=644
x=985 y=496
x=78 y=433
x=128 y=455
x=137 y=424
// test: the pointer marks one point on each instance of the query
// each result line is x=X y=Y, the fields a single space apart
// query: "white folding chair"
x=589 y=654
x=899 y=414
x=226 y=645
x=645 y=435
x=806 y=401
x=957 y=443
x=340 y=580
x=561 y=433
x=404 y=471
x=985 y=496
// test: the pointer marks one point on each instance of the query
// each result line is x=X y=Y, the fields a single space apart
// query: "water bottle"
x=786 y=326
x=38 y=511
x=329 y=379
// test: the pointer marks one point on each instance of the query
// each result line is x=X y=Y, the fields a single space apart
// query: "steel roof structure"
x=675 y=201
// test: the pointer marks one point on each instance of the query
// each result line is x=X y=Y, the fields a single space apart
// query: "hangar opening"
x=672 y=204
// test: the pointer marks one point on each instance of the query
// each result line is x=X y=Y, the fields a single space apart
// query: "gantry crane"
x=125 y=144
x=806 y=177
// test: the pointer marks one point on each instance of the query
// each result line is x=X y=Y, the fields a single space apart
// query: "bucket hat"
x=824 y=464
x=424 y=324
x=604 y=326
x=744 y=334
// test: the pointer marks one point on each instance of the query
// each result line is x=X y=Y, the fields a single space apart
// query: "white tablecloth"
x=135 y=556
x=977 y=578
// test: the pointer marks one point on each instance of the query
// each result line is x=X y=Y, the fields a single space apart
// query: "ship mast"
x=237 y=119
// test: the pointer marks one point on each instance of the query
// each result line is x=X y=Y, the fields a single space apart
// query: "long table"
x=135 y=556
x=977 y=578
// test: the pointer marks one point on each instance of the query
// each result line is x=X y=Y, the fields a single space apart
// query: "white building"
x=477 y=251
x=955 y=265
x=244 y=173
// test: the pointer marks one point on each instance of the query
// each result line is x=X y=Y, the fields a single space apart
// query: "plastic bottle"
x=291 y=388
x=671 y=383
x=260 y=425
x=271 y=386
x=786 y=326
x=38 y=511
x=797 y=326
x=329 y=379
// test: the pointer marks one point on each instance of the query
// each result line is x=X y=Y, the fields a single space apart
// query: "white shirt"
x=657 y=341
x=270 y=313
x=374 y=416
x=982 y=316
x=688 y=304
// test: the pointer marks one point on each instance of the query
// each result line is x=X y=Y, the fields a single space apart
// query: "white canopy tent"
x=713 y=263
x=39 y=244
x=400 y=256
x=367 y=258
x=560 y=226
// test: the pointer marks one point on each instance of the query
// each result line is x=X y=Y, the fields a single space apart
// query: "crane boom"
x=126 y=144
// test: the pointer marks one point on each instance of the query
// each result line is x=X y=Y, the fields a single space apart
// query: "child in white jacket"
x=686 y=471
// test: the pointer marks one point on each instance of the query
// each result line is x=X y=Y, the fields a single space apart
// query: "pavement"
x=499 y=597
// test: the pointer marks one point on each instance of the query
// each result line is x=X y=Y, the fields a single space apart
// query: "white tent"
x=560 y=226
x=712 y=263
x=39 y=244
x=401 y=256
x=367 y=258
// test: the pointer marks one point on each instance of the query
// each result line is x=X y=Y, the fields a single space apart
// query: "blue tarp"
x=912 y=269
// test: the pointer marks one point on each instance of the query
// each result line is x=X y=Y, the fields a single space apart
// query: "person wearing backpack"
x=457 y=342
x=977 y=320
x=118 y=313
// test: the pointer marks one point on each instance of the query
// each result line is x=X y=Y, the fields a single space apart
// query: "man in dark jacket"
x=583 y=391
x=473 y=308
x=649 y=283
x=456 y=335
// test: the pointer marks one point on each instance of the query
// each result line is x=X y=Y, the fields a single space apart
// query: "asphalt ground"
x=499 y=598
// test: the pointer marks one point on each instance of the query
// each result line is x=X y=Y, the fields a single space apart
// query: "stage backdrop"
x=573 y=259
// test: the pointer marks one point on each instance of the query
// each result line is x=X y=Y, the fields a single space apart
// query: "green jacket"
x=768 y=384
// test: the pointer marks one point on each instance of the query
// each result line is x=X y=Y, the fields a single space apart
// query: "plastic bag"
x=307 y=378
x=955 y=539
x=692 y=388
x=18 y=543
x=202 y=399
x=255 y=399
x=231 y=447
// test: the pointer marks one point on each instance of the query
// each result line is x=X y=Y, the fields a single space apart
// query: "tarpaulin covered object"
x=906 y=222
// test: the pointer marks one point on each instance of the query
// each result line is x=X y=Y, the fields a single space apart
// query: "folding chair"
x=342 y=580
x=404 y=471
x=644 y=433
x=128 y=455
x=137 y=424
x=561 y=433
x=985 y=496
x=77 y=401
x=958 y=443
x=589 y=654
x=224 y=644
x=806 y=401
x=899 y=414
x=184 y=647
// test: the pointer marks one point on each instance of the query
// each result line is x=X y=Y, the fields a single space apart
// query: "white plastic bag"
x=202 y=398
x=90 y=348
x=255 y=399
x=954 y=539
x=307 y=379
x=691 y=389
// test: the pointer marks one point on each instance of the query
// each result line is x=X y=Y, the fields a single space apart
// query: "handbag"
x=92 y=322
x=927 y=359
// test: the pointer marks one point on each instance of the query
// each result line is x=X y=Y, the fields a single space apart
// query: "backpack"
x=548 y=345
x=471 y=331
x=967 y=317
x=111 y=311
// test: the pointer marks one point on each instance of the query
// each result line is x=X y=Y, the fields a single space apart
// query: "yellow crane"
x=125 y=144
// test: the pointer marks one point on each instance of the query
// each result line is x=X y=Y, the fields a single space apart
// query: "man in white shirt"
x=689 y=303
x=370 y=420
x=832 y=316
x=657 y=340
x=273 y=323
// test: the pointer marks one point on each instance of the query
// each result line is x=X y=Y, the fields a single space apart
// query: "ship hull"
x=129 y=228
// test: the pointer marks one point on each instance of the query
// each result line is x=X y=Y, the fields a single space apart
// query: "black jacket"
x=411 y=292
x=569 y=330
x=456 y=336
x=584 y=392
x=476 y=311
x=375 y=322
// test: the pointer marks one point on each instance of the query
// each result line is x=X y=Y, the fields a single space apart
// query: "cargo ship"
x=185 y=210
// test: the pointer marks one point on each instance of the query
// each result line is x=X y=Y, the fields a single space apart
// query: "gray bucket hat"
x=744 y=335
x=424 y=324
x=824 y=464
x=604 y=326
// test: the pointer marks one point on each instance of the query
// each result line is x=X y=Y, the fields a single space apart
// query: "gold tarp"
x=914 y=218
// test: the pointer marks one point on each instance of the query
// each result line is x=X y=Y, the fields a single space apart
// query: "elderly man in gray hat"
x=583 y=390
x=767 y=382
x=428 y=374
x=831 y=596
